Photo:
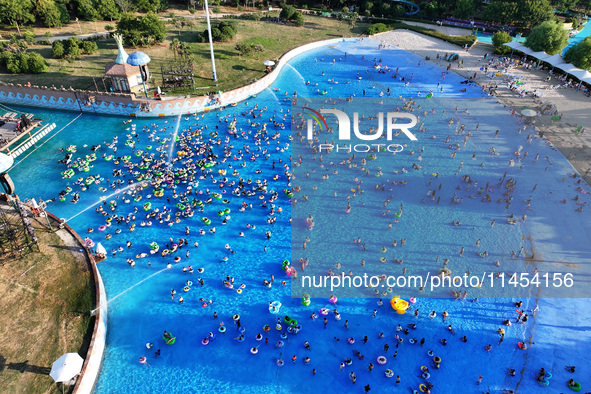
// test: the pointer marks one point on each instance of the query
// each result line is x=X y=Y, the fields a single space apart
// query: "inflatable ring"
x=576 y=387
x=222 y=329
x=280 y=363
x=423 y=388
x=236 y=317
x=239 y=291
x=383 y=259
x=436 y=359
x=254 y=350
x=547 y=375
x=351 y=340
x=382 y=360
x=412 y=340
x=389 y=373
x=186 y=288
x=412 y=300
x=205 y=341
x=426 y=375
x=266 y=328
x=430 y=353
x=279 y=344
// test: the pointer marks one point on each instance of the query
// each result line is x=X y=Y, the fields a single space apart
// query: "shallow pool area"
x=233 y=171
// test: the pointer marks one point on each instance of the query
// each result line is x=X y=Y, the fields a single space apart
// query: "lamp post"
x=215 y=78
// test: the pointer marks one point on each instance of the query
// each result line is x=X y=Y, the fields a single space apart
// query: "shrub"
x=23 y=62
x=500 y=38
x=43 y=42
x=377 y=28
x=217 y=9
x=89 y=47
x=223 y=31
x=57 y=50
x=109 y=27
x=29 y=36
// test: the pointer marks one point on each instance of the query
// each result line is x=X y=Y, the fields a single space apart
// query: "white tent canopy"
x=515 y=45
x=554 y=60
x=567 y=68
x=581 y=74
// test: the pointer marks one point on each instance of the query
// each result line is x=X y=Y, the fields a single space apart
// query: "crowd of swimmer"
x=165 y=190
x=331 y=165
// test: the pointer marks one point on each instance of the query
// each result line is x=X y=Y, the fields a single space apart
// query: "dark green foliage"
x=89 y=47
x=29 y=36
x=500 y=38
x=290 y=13
x=377 y=28
x=549 y=37
x=223 y=31
x=580 y=54
x=57 y=50
x=145 y=30
x=23 y=62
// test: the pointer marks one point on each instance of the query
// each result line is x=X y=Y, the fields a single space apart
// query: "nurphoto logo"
x=344 y=134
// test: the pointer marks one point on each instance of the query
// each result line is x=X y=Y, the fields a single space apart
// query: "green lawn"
x=233 y=70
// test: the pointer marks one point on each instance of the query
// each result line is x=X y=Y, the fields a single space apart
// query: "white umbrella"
x=5 y=162
x=100 y=249
x=34 y=203
x=269 y=63
x=528 y=112
x=66 y=367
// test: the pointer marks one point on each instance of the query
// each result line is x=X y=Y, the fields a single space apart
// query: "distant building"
x=124 y=77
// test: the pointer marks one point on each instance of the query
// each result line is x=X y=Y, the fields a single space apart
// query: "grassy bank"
x=44 y=312
x=233 y=70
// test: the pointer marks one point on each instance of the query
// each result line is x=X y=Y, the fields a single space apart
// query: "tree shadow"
x=72 y=248
x=243 y=68
x=23 y=367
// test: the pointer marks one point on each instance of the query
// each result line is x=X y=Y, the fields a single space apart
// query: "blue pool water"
x=140 y=306
x=580 y=36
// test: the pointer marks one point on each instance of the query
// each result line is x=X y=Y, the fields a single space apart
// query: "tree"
x=64 y=15
x=299 y=19
x=87 y=11
x=534 y=12
x=49 y=13
x=434 y=9
x=57 y=50
x=549 y=37
x=73 y=50
x=148 y=29
x=580 y=54
x=500 y=38
x=464 y=9
x=287 y=12
x=15 y=12
x=174 y=46
x=107 y=9
x=353 y=20
x=564 y=5
x=124 y=5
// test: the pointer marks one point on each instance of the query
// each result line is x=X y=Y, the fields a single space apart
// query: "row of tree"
x=56 y=13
